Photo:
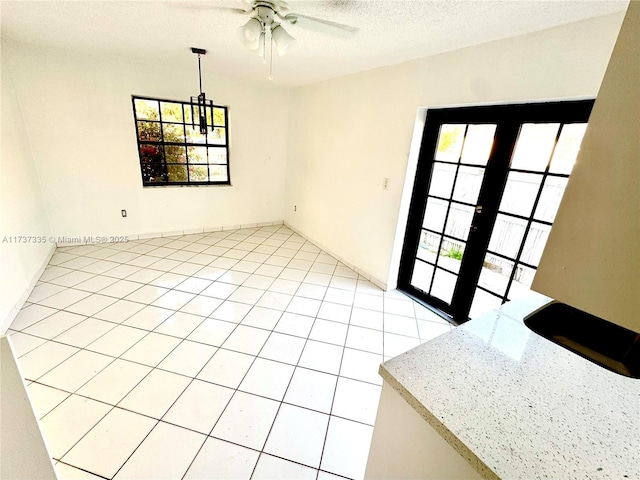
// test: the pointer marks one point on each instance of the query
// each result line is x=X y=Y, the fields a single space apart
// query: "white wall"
x=77 y=108
x=595 y=265
x=22 y=208
x=347 y=134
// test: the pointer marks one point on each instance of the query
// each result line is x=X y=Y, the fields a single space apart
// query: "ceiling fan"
x=264 y=27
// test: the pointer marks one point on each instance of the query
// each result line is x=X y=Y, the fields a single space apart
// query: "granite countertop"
x=517 y=406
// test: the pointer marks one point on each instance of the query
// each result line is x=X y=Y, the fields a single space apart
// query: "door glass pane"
x=428 y=247
x=534 y=146
x=443 y=286
x=483 y=302
x=459 y=221
x=435 y=214
x=535 y=243
x=468 y=184
x=550 y=198
x=450 y=142
x=421 y=278
x=477 y=145
x=520 y=193
x=451 y=254
x=442 y=180
x=495 y=274
x=520 y=287
x=507 y=235
x=566 y=152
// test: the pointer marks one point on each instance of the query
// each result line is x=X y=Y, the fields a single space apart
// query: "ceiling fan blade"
x=208 y=6
x=294 y=18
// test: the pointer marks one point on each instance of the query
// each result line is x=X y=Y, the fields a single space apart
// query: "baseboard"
x=8 y=319
x=355 y=268
x=144 y=236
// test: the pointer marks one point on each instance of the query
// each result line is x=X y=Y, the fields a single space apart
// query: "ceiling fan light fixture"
x=250 y=33
x=281 y=39
x=260 y=51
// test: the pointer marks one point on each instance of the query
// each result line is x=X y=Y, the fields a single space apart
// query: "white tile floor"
x=236 y=354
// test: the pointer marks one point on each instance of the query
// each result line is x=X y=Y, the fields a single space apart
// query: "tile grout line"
x=291 y=263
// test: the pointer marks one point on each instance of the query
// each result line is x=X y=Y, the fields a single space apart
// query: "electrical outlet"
x=385 y=183
x=295 y=208
x=123 y=212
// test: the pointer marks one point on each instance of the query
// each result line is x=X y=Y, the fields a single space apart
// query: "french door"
x=487 y=189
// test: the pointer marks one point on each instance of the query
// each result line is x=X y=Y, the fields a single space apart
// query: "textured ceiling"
x=391 y=31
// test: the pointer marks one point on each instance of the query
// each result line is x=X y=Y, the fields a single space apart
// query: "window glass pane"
x=219 y=117
x=194 y=135
x=171 y=112
x=507 y=235
x=451 y=254
x=444 y=283
x=495 y=274
x=217 y=155
x=175 y=154
x=198 y=173
x=520 y=193
x=534 y=146
x=207 y=111
x=483 y=302
x=151 y=163
x=421 y=277
x=450 y=143
x=173 y=133
x=428 y=246
x=566 y=152
x=151 y=154
x=550 y=198
x=149 y=131
x=477 y=145
x=459 y=221
x=217 y=136
x=434 y=214
x=197 y=154
x=442 y=180
x=146 y=109
x=177 y=173
x=218 y=173
x=520 y=287
x=535 y=243
x=187 y=113
x=468 y=184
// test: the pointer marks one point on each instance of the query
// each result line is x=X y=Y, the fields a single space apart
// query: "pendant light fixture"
x=262 y=32
x=200 y=103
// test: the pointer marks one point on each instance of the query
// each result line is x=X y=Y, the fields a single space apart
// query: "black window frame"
x=162 y=144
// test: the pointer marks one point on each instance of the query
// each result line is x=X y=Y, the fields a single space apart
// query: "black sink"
x=599 y=341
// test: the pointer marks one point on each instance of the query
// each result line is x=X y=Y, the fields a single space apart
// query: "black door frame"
x=508 y=119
